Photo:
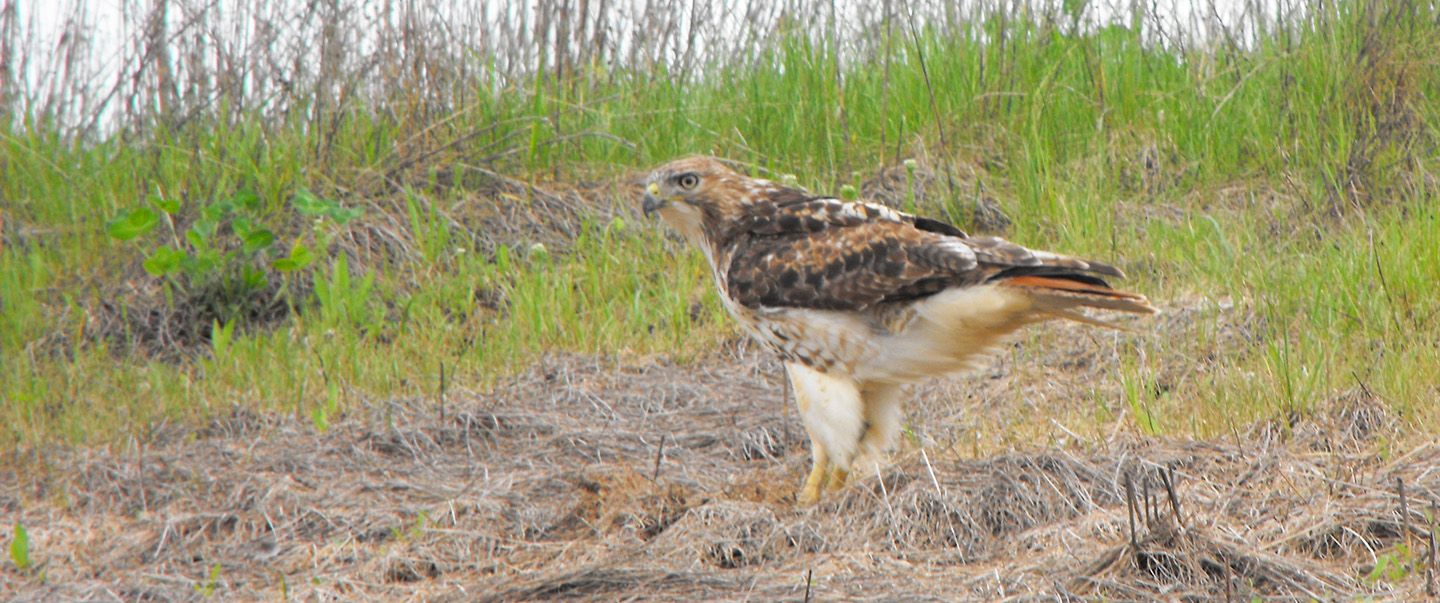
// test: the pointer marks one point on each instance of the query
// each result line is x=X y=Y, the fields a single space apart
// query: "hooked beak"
x=652 y=202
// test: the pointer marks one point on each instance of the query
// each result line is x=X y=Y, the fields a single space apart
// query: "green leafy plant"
x=300 y=257
x=199 y=252
x=309 y=204
x=345 y=300
x=20 y=548
x=1392 y=566
x=225 y=236
x=207 y=588
x=221 y=334
x=226 y=256
x=132 y=223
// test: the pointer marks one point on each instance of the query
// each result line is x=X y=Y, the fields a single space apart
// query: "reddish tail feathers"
x=1059 y=296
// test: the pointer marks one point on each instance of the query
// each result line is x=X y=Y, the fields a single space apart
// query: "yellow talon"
x=810 y=494
x=838 y=478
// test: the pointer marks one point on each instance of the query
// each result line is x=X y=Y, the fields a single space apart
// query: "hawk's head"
x=698 y=196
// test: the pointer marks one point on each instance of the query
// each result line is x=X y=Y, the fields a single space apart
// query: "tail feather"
x=950 y=330
x=1060 y=296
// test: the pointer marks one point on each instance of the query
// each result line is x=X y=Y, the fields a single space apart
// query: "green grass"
x=1296 y=177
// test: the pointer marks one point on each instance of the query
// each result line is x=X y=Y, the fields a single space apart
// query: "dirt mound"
x=589 y=479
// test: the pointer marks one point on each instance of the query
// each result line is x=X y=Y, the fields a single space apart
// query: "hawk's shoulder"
x=825 y=253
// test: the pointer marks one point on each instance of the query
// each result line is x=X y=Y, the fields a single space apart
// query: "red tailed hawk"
x=860 y=300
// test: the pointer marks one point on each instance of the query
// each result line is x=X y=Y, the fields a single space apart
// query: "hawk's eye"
x=688 y=180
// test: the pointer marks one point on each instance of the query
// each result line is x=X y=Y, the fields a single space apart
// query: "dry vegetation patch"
x=595 y=479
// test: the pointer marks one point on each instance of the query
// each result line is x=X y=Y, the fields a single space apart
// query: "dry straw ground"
x=595 y=479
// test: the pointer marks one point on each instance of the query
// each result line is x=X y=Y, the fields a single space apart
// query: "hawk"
x=860 y=300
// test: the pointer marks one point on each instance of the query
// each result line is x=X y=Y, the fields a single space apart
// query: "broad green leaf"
x=245 y=199
x=215 y=212
x=129 y=225
x=205 y=228
x=307 y=203
x=169 y=206
x=255 y=279
x=301 y=253
x=300 y=257
x=203 y=262
x=163 y=260
x=258 y=239
x=341 y=215
x=242 y=227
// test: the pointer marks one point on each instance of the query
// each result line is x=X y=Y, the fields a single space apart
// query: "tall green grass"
x=1294 y=174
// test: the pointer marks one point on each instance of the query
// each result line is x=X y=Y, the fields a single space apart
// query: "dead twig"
x=1167 y=477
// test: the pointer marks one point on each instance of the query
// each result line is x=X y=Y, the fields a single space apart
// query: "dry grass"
x=599 y=479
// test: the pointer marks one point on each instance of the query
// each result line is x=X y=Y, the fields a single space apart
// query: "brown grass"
x=597 y=479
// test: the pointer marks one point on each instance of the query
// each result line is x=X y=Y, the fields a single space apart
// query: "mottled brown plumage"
x=860 y=299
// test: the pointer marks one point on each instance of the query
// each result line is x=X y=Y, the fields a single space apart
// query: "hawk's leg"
x=820 y=463
x=884 y=410
x=834 y=415
x=838 y=478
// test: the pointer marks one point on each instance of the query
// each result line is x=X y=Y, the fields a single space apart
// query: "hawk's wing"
x=825 y=253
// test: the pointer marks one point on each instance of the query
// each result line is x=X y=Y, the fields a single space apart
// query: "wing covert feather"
x=824 y=253
x=828 y=254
